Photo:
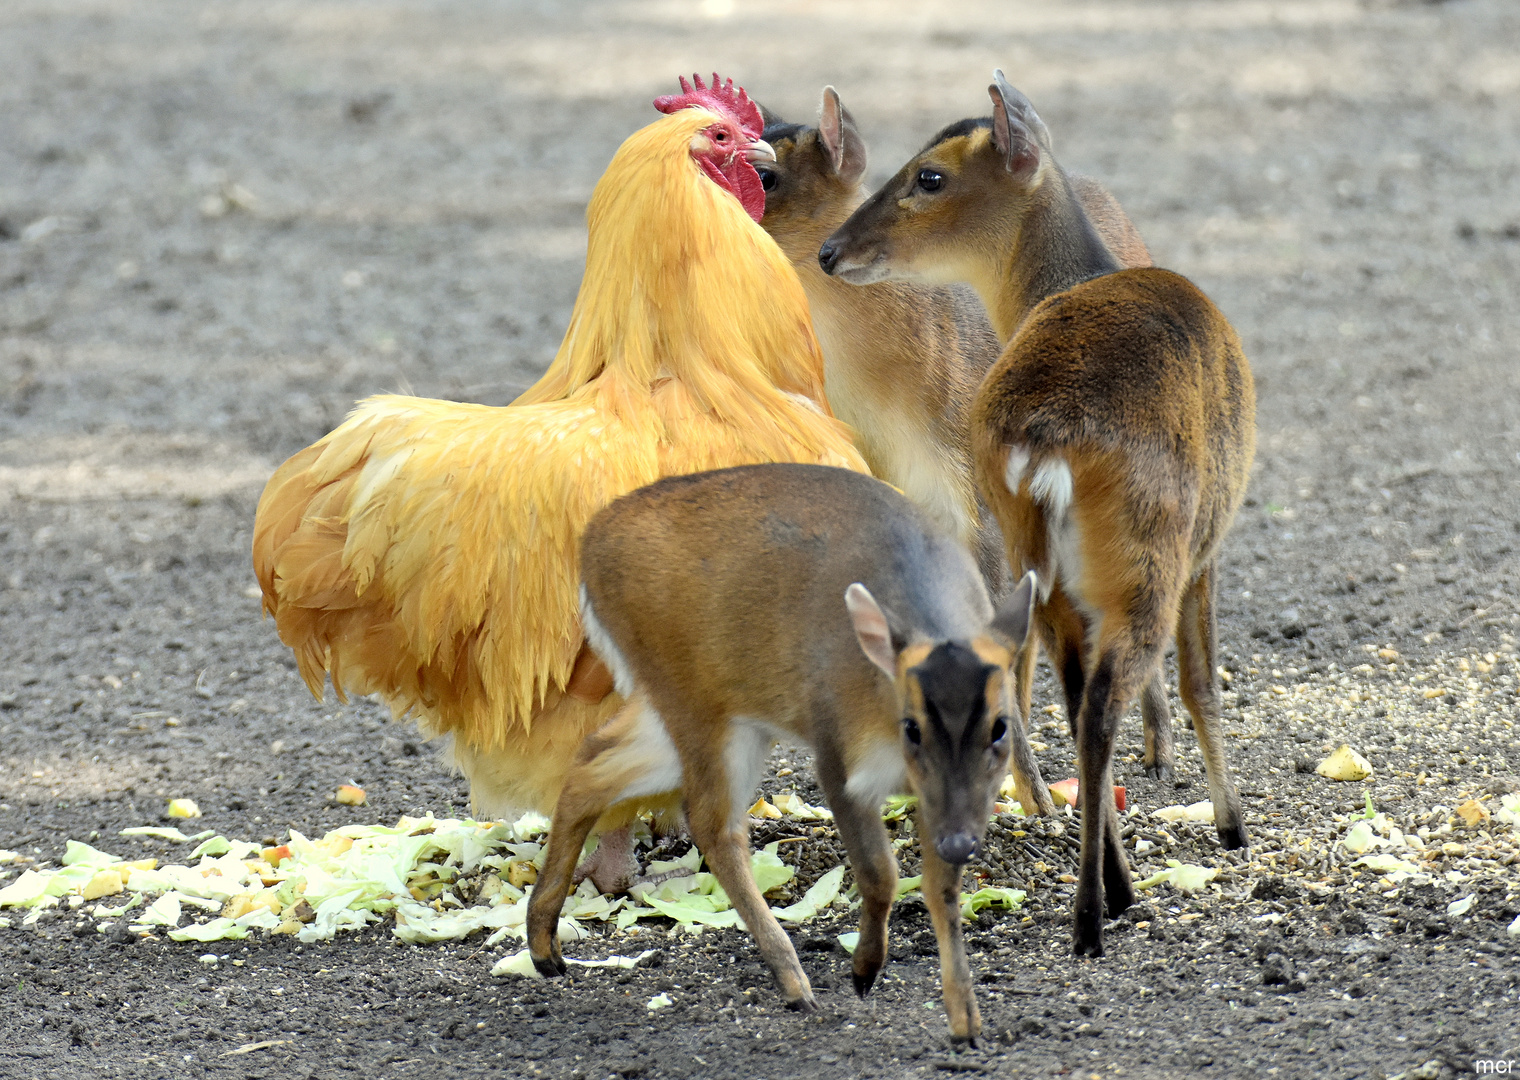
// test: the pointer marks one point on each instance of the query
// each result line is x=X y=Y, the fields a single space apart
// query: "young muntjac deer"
x=902 y=361
x=747 y=606
x=1112 y=439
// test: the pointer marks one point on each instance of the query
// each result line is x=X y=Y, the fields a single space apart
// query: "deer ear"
x=841 y=140
x=873 y=629
x=1022 y=108
x=1015 y=127
x=1011 y=623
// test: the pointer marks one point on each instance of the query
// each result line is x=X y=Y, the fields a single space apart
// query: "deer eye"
x=929 y=180
x=999 y=729
x=911 y=731
x=768 y=179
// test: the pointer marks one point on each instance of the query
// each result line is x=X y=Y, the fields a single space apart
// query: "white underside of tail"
x=602 y=644
x=1013 y=468
x=1050 y=486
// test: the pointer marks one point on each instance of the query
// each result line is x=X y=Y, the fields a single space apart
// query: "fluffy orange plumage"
x=427 y=550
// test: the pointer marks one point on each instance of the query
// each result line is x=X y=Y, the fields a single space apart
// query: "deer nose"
x=956 y=848
x=828 y=257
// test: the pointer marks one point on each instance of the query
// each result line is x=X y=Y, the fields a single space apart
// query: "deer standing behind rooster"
x=427 y=551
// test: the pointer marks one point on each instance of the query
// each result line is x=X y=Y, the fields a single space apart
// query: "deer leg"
x=942 y=894
x=1198 y=681
x=1104 y=870
x=722 y=834
x=628 y=757
x=1063 y=631
x=1028 y=784
x=1156 y=717
x=875 y=867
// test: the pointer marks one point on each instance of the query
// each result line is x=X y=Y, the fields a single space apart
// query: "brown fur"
x=730 y=605
x=1125 y=406
x=902 y=362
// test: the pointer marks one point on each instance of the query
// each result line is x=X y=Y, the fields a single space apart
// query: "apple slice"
x=1065 y=794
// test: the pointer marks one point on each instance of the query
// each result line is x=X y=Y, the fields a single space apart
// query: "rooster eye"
x=929 y=180
x=999 y=730
x=911 y=731
x=720 y=136
x=769 y=179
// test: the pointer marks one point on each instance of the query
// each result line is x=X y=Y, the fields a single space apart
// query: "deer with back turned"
x=1112 y=439
x=902 y=361
x=811 y=605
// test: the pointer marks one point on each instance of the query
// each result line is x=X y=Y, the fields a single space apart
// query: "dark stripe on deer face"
x=952 y=758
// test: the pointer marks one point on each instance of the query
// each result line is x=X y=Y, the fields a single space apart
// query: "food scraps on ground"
x=412 y=872
x=1065 y=794
x=1345 y=764
x=1184 y=877
x=1198 y=811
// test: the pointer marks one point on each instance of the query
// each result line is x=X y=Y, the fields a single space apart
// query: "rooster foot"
x=611 y=867
x=614 y=870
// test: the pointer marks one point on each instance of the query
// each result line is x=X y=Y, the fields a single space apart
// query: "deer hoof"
x=549 y=966
x=864 y=982
x=1232 y=837
x=803 y=1005
x=1088 y=938
x=1159 y=772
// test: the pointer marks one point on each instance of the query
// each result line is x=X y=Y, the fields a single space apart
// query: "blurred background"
x=222 y=222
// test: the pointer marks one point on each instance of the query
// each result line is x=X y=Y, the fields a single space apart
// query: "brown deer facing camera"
x=747 y=606
x=1112 y=439
x=902 y=361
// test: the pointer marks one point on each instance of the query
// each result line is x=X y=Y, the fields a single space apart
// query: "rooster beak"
x=759 y=150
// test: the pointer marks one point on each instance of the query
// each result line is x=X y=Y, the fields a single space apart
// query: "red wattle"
x=745 y=180
x=740 y=180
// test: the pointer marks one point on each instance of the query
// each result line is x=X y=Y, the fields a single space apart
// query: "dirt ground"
x=222 y=223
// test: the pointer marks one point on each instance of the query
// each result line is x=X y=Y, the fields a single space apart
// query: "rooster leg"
x=612 y=867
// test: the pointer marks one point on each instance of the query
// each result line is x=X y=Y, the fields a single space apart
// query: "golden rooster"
x=427 y=551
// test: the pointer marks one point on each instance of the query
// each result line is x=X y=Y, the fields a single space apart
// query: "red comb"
x=721 y=97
